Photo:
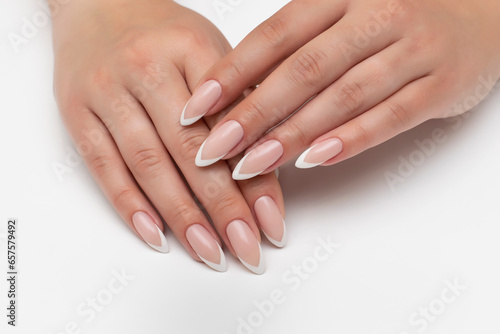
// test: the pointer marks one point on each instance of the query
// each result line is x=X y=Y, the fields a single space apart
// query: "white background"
x=397 y=247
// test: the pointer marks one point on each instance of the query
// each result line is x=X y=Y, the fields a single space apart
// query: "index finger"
x=264 y=48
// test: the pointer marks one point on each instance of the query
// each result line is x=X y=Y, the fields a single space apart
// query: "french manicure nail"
x=150 y=232
x=319 y=153
x=258 y=160
x=219 y=143
x=246 y=246
x=207 y=248
x=204 y=98
x=270 y=220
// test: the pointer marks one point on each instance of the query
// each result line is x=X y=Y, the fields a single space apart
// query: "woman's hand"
x=123 y=72
x=368 y=71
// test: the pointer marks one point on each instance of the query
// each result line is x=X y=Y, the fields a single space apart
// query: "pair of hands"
x=369 y=70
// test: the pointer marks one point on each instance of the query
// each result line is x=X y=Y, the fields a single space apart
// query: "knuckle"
x=420 y=43
x=275 y=31
x=101 y=165
x=254 y=113
x=147 y=162
x=123 y=198
x=307 y=67
x=190 y=141
x=226 y=202
x=350 y=97
x=380 y=70
x=297 y=133
x=398 y=115
x=71 y=108
x=136 y=52
x=102 y=79
x=189 y=36
x=234 y=70
x=135 y=49
x=361 y=136
x=402 y=11
x=180 y=213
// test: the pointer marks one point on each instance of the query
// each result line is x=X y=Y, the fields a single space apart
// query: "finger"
x=275 y=39
x=360 y=89
x=409 y=107
x=263 y=194
x=104 y=161
x=152 y=167
x=304 y=74
x=213 y=187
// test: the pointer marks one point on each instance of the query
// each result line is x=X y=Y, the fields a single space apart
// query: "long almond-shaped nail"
x=246 y=245
x=150 y=232
x=319 y=153
x=207 y=248
x=204 y=98
x=270 y=220
x=258 y=160
x=219 y=143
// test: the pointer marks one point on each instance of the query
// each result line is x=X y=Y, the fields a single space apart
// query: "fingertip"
x=150 y=232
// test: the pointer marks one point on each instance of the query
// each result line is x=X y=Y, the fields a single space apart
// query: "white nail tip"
x=301 y=163
x=188 y=121
x=259 y=270
x=163 y=248
x=203 y=163
x=282 y=242
x=222 y=266
x=236 y=173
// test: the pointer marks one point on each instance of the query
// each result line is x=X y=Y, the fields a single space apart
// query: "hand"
x=368 y=70
x=124 y=71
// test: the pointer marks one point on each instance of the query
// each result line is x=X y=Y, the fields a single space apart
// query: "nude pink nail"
x=204 y=98
x=207 y=248
x=319 y=153
x=149 y=231
x=270 y=220
x=258 y=160
x=219 y=143
x=246 y=245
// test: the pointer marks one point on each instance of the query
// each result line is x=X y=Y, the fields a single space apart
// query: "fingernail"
x=204 y=98
x=319 y=153
x=258 y=160
x=207 y=248
x=246 y=246
x=270 y=220
x=219 y=143
x=149 y=231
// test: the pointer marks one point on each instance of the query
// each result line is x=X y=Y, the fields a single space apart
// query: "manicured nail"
x=246 y=245
x=149 y=231
x=258 y=160
x=319 y=153
x=219 y=143
x=204 y=98
x=270 y=220
x=207 y=248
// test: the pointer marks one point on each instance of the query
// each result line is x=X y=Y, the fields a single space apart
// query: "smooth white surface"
x=396 y=248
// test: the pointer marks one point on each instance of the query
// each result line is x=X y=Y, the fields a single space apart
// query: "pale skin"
x=371 y=70
x=124 y=69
